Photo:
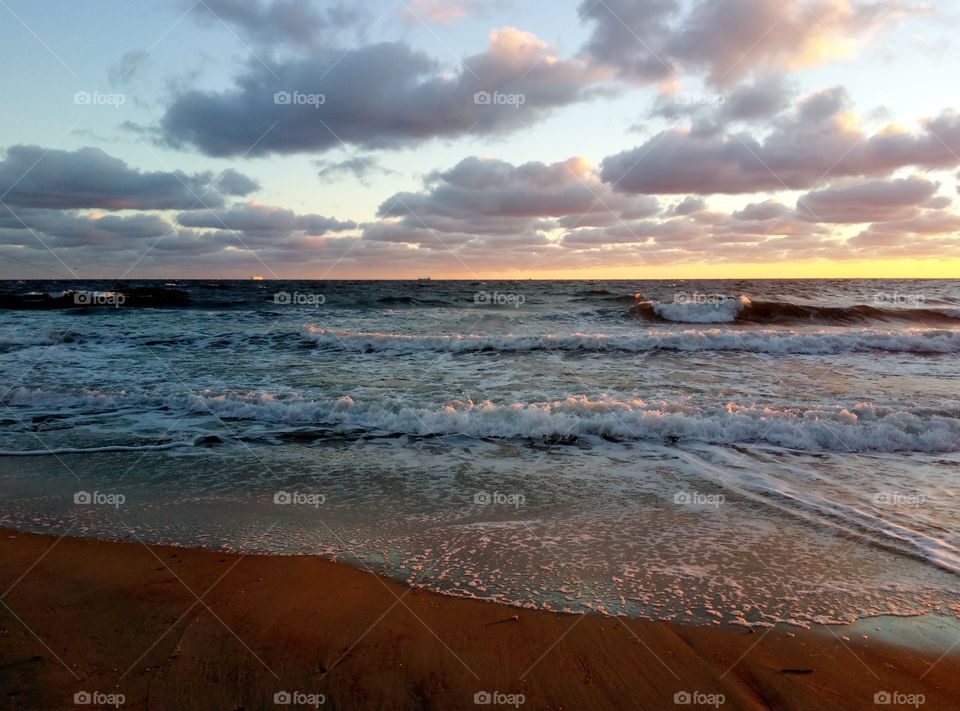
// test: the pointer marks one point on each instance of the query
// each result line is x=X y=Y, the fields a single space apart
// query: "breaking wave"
x=755 y=341
x=722 y=309
x=860 y=428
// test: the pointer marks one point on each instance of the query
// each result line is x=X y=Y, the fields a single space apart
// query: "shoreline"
x=170 y=627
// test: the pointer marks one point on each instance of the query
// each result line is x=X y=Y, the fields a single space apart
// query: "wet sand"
x=174 y=628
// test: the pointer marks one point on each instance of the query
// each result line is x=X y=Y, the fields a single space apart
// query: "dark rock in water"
x=561 y=439
x=120 y=297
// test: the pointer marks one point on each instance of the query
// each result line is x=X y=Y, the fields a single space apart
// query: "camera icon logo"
x=482 y=98
x=82 y=497
x=82 y=97
x=881 y=697
x=281 y=97
x=282 y=697
x=681 y=497
x=482 y=497
x=82 y=697
x=481 y=297
x=83 y=298
x=281 y=297
x=283 y=497
x=683 y=698
x=482 y=697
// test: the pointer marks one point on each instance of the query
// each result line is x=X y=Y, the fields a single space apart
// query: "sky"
x=479 y=139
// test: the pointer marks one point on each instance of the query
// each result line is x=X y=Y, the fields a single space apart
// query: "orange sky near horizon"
x=874 y=269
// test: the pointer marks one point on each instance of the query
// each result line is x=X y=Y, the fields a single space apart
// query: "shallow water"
x=648 y=448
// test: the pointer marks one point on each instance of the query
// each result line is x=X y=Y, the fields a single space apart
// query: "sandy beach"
x=175 y=628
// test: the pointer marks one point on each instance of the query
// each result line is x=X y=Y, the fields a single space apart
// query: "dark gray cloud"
x=651 y=40
x=378 y=96
x=31 y=176
x=689 y=205
x=231 y=182
x=483 y=196
x=254 y=218
x=817 y=140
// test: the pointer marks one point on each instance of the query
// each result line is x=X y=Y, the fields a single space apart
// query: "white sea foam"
x=860 y=428
x=701 y=311
x=772 y=341
x=95 y=450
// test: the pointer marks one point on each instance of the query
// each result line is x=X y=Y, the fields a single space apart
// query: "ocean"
x=708 y=451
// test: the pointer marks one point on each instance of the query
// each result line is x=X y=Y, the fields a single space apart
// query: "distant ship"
x=424 y=279
x=257 y=277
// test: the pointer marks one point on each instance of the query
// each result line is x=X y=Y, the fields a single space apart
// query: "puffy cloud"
x=378 y=96
x=868 y=201
x=652 y=40
x=231 y=182
x=254 y=218
x=31 y=176
x=71 y=229
x=818 y=140
x=482 y=196
x=689 y=205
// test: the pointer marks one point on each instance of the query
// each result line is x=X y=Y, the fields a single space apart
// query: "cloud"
x=125 y=69
x=31 y=176
x=257 y=219
x=445 y=12
x=927 y=235
x=378 y=96
x=653 y=40
x=246 y=237
x=493 y=197
x=360 y=167
x=231 y=182
x=709 y=112
x=689 y=205
x=819 y=139
x=300 y=23
x=869 y=201
x=71 y=229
